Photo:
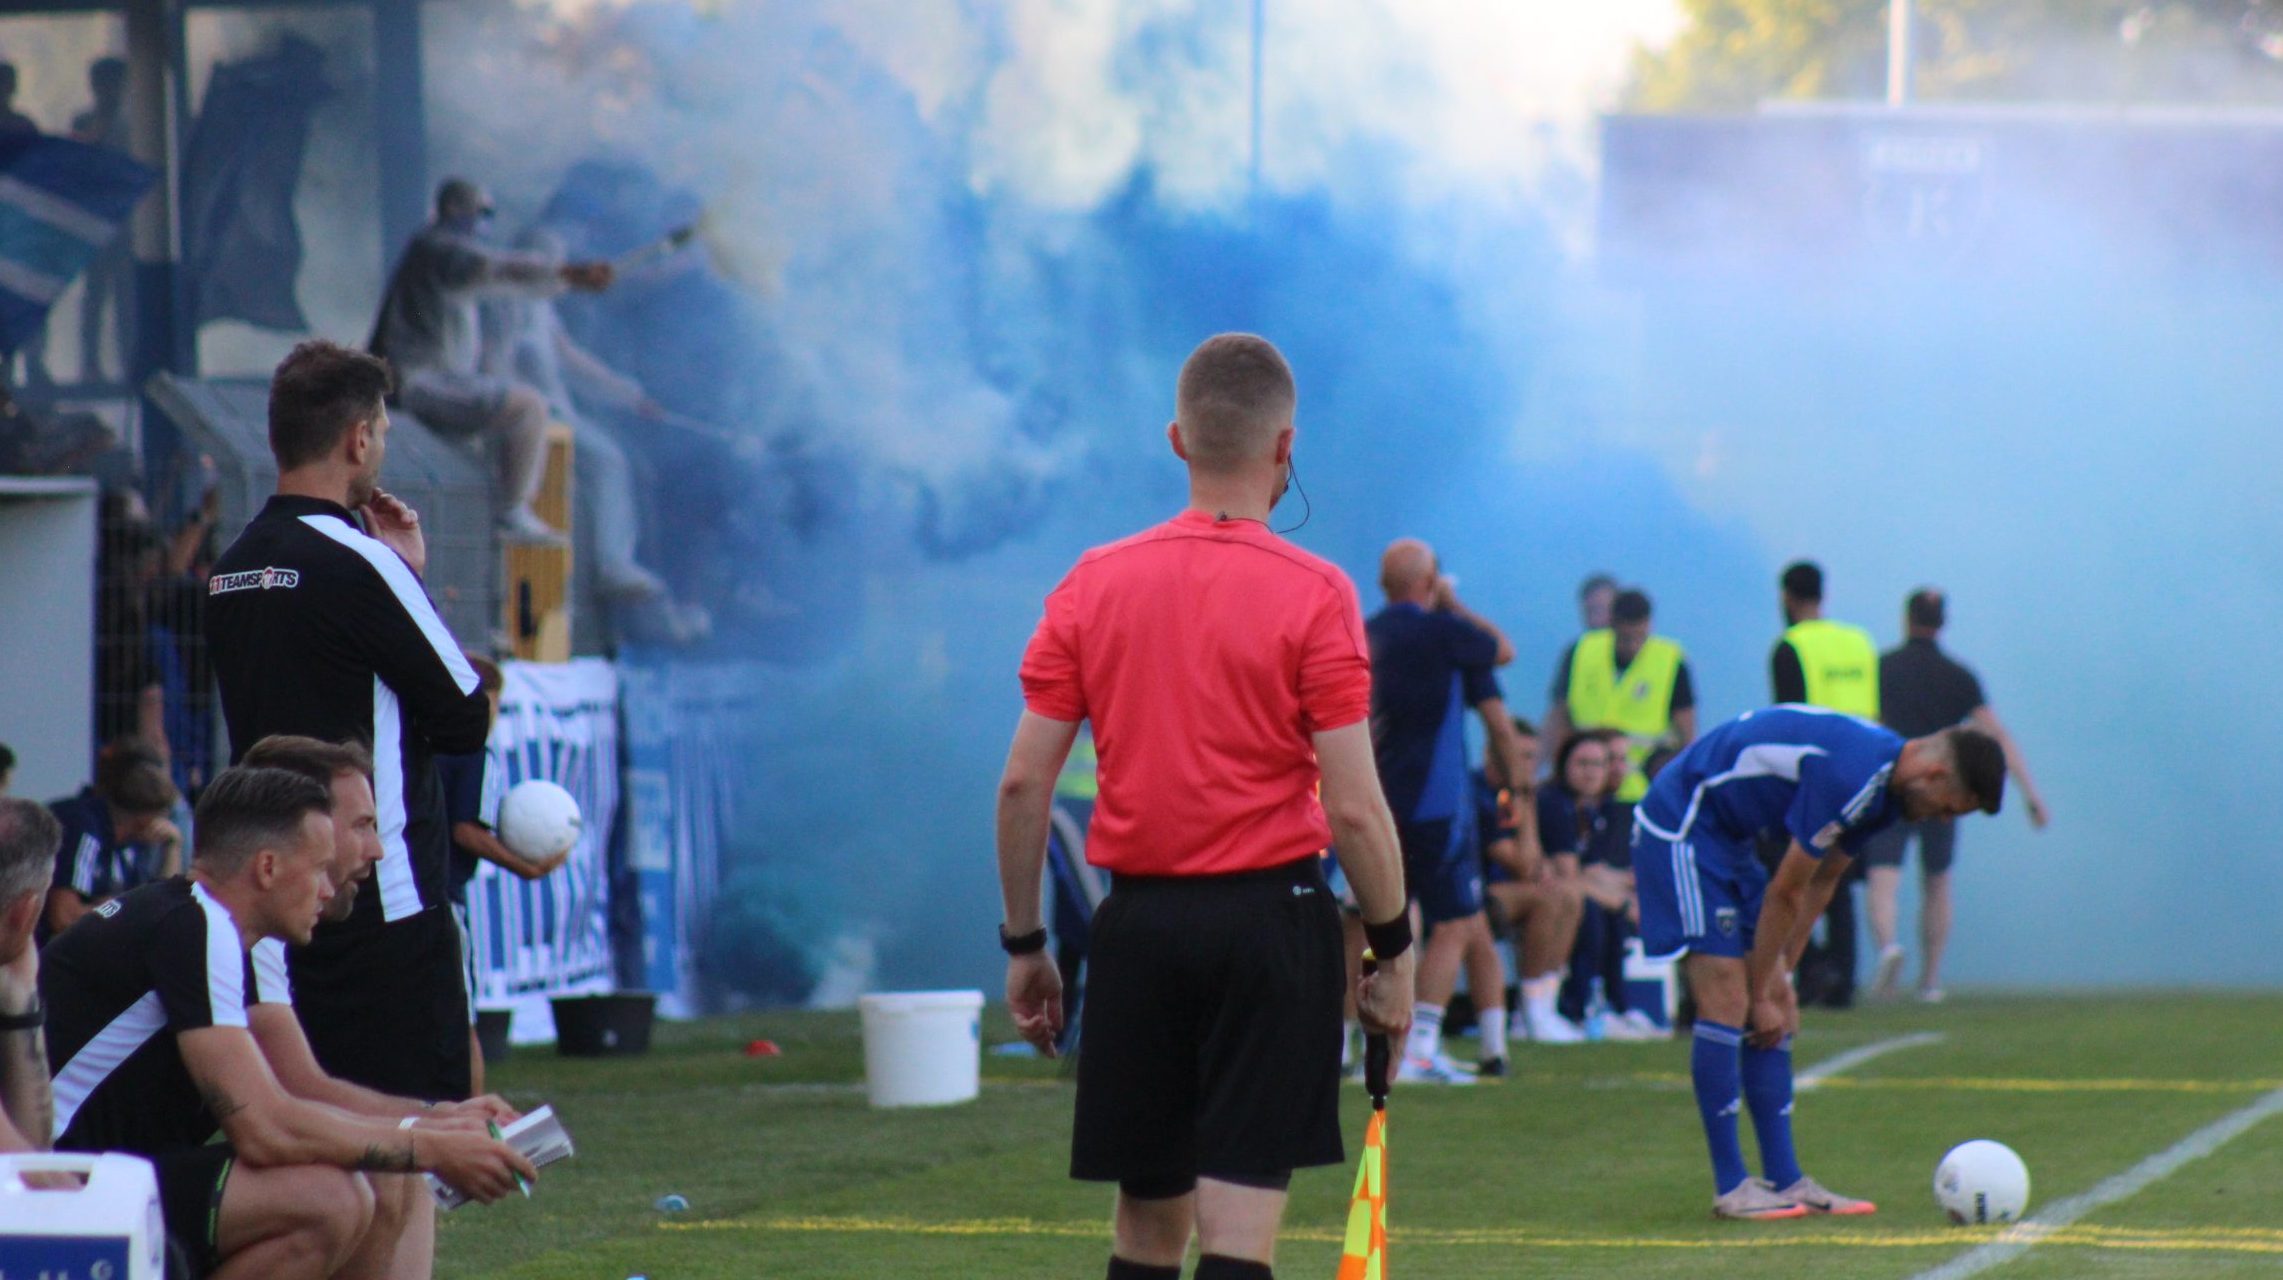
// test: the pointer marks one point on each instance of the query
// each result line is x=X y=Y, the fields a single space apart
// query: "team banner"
x=551 y=937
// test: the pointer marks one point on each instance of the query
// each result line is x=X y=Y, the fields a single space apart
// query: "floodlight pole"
x=1259 y=31
x=1898 y=53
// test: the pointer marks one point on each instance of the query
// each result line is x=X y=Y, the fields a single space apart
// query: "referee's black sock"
x=1120 y=1269
x=1215 y=1267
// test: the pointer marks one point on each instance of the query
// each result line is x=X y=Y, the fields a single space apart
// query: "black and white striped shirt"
x=316 y=628
x=119 y=986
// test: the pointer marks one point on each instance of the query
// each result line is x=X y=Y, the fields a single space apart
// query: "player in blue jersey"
x=1827 y=781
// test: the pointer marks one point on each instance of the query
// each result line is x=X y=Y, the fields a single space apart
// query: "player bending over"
x=1829 y=781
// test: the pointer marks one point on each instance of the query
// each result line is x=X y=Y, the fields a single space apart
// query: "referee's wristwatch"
x=1022 y=944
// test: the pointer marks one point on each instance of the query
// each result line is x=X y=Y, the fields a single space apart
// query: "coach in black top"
x=320 y=628
x=1923 y=690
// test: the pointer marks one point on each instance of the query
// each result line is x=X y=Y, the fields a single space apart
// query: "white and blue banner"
x=550 y=937
x=61 y=203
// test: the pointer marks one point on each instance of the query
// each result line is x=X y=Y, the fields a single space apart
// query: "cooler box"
x=108 y=1229
x=1652 y=986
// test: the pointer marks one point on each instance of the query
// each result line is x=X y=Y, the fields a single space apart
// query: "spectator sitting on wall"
x=429 y=329
x=117 y=834
x=524 y=340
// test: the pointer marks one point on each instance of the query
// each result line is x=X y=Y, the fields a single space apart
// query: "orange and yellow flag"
x=1364 y=1254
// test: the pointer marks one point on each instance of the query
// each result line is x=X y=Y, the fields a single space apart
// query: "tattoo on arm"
x=382 y=1158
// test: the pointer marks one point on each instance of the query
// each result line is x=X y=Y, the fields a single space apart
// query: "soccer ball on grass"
x=1982 y=1182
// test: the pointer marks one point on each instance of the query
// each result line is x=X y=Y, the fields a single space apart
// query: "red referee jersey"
x=1205 y=652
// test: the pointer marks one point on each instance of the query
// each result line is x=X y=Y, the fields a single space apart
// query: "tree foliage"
x=1735 y=54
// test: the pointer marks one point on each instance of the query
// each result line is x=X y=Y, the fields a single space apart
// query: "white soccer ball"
x=1982 y=1182
x=538 y=819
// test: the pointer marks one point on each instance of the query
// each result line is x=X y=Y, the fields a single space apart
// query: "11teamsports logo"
x=253 y=580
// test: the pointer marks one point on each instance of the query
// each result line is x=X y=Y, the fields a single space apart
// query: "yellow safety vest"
x=1639 y=704
x=1841 y=665
x=1078 y=781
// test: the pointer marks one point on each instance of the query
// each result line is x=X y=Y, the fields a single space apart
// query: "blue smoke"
x=948 y=392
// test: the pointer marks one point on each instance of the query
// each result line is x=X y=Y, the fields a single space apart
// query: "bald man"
x=1225 y=676
x=1431 y=658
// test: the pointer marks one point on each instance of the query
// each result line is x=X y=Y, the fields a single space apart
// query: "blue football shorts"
x=1699 y=893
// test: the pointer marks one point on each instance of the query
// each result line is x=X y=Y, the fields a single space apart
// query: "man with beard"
x=319 y=626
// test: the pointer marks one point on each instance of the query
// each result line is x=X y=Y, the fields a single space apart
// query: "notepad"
x=540 y=1136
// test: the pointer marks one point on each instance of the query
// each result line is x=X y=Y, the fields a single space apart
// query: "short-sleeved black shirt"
x=1923 y=690
x=1427 y=666
x=119 y=986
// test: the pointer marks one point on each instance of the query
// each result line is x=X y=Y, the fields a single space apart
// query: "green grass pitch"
x=1587 y=1163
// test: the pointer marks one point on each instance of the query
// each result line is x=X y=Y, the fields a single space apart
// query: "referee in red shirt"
x=1227 y=679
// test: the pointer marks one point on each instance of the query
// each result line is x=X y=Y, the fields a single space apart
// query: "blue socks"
x=1714 y=1066
x=1768 y=1088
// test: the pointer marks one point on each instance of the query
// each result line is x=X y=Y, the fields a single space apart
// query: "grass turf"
x=1587 y=1163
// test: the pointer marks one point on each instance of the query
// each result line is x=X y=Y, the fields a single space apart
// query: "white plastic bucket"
x=108 y=1227
x=922 y=1048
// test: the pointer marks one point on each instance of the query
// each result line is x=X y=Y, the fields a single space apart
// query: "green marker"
x=522 y=1183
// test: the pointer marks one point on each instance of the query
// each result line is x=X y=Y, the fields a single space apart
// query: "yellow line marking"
x=2013 y=1084
x=2186 y=1239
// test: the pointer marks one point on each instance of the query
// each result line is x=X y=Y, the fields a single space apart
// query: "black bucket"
x=491 y=1033
x=604 y=1026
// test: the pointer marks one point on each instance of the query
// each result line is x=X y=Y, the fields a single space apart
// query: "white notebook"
x=541 y=1138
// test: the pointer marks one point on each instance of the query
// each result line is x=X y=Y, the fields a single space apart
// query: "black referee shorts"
x=1211 y=1038
x=387 y=1006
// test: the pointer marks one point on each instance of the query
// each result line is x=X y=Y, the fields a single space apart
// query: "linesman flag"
x=1363 y=1256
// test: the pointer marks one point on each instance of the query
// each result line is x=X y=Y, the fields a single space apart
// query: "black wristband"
x=31 y=1019
x=1389 y=940
x=1022 y=944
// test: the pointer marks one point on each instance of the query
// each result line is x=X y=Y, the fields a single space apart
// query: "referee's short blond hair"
x=1235 y=395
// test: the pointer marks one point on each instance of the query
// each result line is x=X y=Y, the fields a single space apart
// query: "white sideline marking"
x=2131 y=1182
x=1841 y=1064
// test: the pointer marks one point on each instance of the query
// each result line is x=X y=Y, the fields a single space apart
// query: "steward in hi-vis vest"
x=1820 y=662
x=1625 y=678
x=1839 y=665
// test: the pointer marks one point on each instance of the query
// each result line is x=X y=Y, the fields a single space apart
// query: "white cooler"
x=108 y=1229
